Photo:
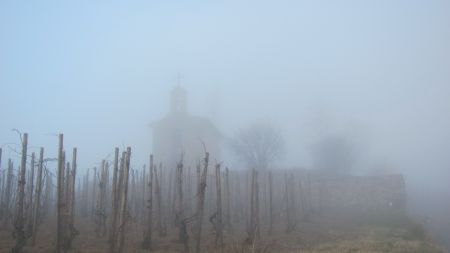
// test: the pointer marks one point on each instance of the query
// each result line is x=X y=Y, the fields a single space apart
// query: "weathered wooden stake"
x=94 y=195
x=254 y=229
x=290 y=203
x=60 y=199
x=147 y=244
x=123 y=207
x=18 y=219
x=201 y=203
x=29 y=206
x=37 y=202
x=7 y=204
x=270 y=203
x=227 y=203
x=72 y=232
x=158 y=202
x=218 y=219
x=114 y=201
x=179 y=214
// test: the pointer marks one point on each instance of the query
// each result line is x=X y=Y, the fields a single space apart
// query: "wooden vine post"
x=158 y=202
x=123 y=202
x=9 y=182
x=60 y=198
x=270 y=203
x=147 y=243
x=18 y=218
x=179 y=214
x=218 y=216
x=37 y=202
x=227 y=208
x=114 y=200
x=290 y=203
x=29 y=206
x=254 y=229
x=201 y=203
x=71 y=231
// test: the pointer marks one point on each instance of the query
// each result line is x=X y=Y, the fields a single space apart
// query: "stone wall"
x=357 y=193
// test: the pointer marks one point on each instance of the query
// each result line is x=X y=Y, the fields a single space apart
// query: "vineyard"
x=118 y=207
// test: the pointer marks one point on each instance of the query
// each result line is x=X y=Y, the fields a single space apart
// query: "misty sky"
x=377 y=72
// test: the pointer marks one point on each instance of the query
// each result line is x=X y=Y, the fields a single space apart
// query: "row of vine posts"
x=160 y=199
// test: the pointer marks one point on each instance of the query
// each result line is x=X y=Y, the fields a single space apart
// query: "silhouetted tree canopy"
x=334 y=155
x=259 y=145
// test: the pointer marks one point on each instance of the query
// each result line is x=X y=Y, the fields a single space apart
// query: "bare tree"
x=334 y=155
x=259 y=145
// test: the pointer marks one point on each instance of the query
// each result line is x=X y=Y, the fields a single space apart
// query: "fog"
x=375 y=73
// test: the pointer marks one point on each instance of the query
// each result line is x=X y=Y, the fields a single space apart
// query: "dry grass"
x=400 y=234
